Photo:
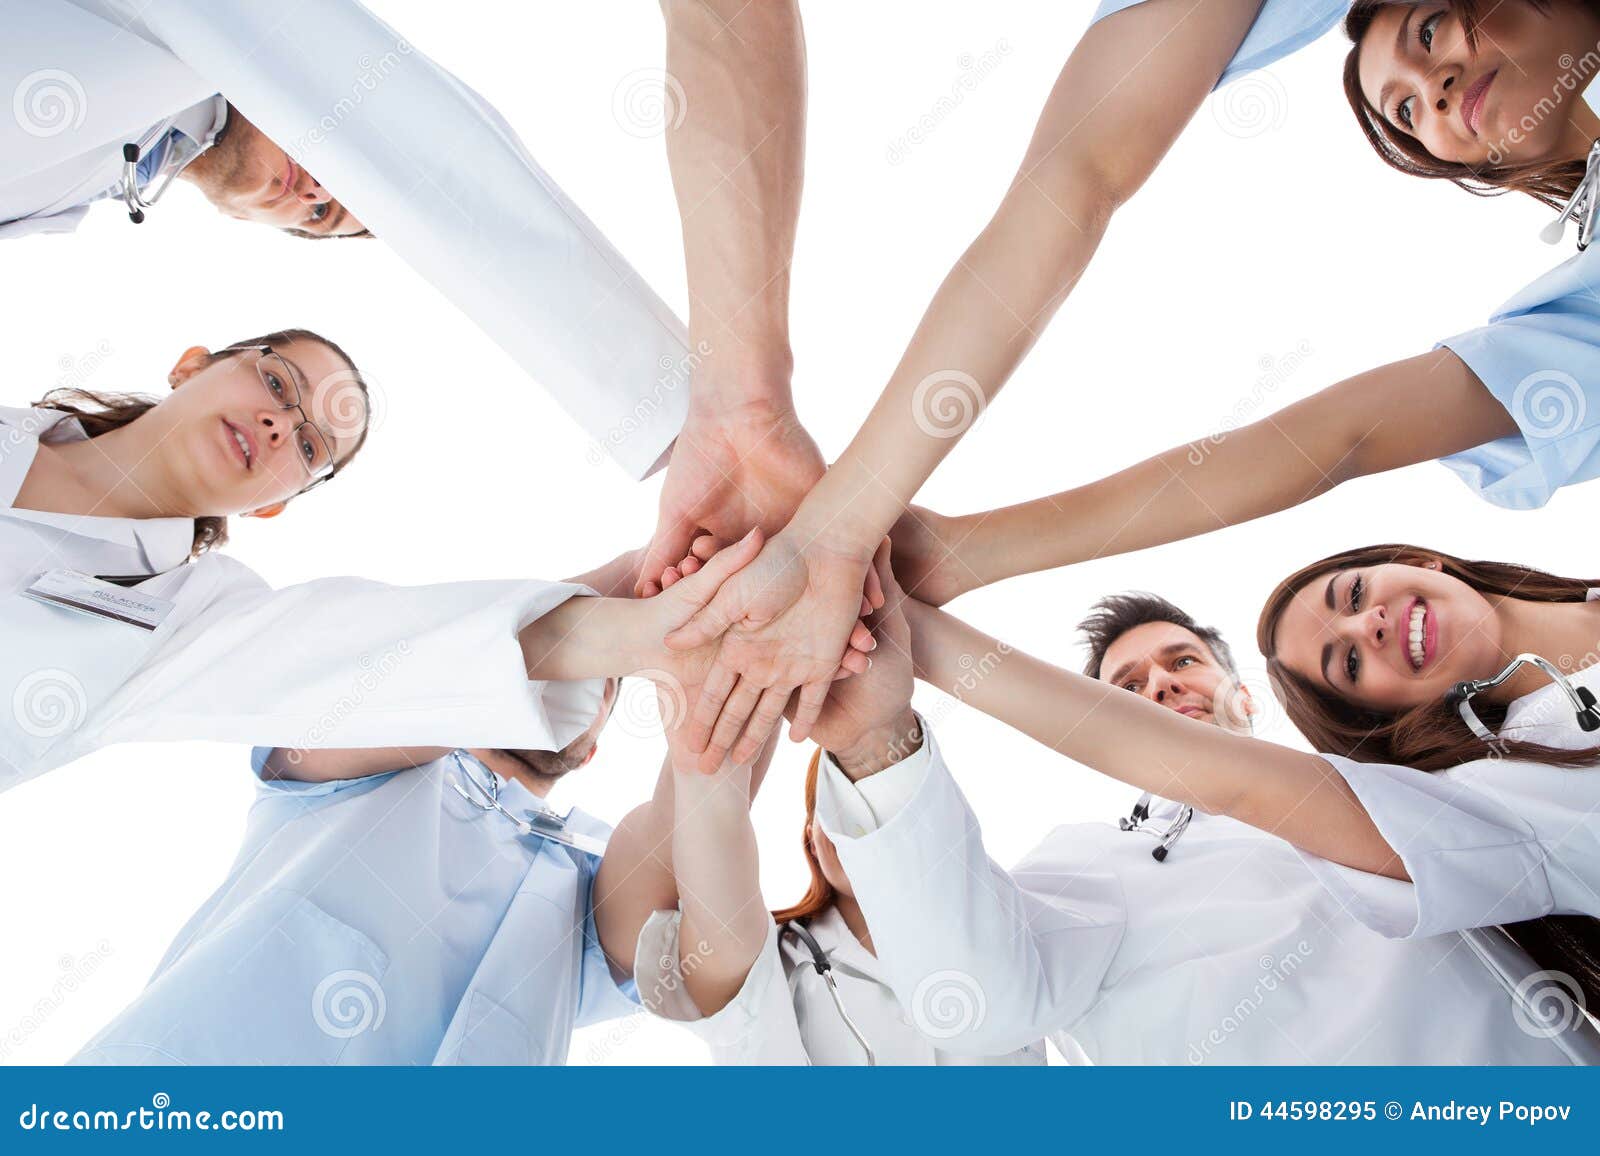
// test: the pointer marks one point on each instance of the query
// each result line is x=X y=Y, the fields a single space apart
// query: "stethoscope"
x=542 y=824
x=824 y=968
x=1583 y=206
x=1581 y=698
x=1165 y=839
x=132 y=196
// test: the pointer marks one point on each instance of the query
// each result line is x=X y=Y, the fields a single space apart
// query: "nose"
x=1442 y=83
x=314 y=194
x=1163 y=684
x=1374 y=627
x=276 y=426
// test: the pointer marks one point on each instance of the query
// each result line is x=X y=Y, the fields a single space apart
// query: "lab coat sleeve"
x=757 y=1026
x=1282 y=27
x=983 y=961
x=1473 y=862
x=342 y=662
x=1540 y=359
x=433 y=171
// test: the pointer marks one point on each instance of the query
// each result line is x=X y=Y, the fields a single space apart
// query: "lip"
x=290 y=177
x=1430 y=634
x=229 y=429
x=1190 y=710
x=1472 y=101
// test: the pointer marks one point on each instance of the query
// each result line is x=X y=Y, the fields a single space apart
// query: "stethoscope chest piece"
x=1580 y=698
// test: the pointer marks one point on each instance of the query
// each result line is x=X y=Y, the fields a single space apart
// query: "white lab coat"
x=340 y=662
x=382 y=920
x=784 y=1014
x=1494 y=841
x=417 y=156
x=1229 y=952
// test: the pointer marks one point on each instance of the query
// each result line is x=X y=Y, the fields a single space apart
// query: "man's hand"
x=731 y=470
x=867 y=722
x=929 y=559
x=785 y=621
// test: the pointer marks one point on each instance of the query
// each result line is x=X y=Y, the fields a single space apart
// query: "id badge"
x=553 y=827
x=93 y=596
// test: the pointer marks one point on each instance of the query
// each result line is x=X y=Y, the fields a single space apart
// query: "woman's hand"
x=785 y=621
x=929 y=559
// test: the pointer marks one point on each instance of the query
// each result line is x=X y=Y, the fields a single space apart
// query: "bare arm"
x=1288 y=793
x=1411 y=411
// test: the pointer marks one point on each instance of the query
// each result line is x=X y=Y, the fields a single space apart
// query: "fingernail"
x=869 y=662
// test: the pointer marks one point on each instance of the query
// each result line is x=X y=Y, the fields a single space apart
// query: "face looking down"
x=1509 y=98
x=248 y=176
x=1173 y=667
x=1389 y=637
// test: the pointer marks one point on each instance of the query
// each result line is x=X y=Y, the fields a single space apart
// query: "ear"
x=593 y=751
x=271 y=511
x=190 y=362
x=1433 y=564
x=1246 y=701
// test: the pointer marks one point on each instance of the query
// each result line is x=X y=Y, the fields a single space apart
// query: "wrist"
x=881 y=747
x=740 y=378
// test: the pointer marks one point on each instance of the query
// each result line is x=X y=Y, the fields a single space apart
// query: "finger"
x=670 y=543
x=854 y=662
x=711 y=621
x=713 y=693
x=874 y=589
x=650 y=589
x=768 y=713
x=883 y=568
x=812 y=696
x=861 y=639
x=707 y=545
x=689 y=565
x=735 y=712
x=866 y=607
x=670 y=577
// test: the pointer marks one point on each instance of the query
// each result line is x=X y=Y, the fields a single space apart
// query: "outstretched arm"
x=1296 y=796
x=1127 y=90
x=1397 y=415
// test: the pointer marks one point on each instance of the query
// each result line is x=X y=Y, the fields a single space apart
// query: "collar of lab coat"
x=164 y=542
x=839 y=944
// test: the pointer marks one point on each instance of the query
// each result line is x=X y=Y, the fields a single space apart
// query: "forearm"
x=715 y=862
x=588 y=638
x=737 y=158
x=1289 y=793
x=1410 y=411
x=879 y=748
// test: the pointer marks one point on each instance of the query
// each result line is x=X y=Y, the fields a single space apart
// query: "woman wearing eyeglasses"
x=121 y=620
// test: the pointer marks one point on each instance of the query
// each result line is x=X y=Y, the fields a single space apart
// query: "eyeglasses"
x=310 y=443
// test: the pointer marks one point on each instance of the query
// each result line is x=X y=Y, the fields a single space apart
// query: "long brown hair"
x=1433 y=737
x=1549 y=181
x=100 y=413
x=819 y=896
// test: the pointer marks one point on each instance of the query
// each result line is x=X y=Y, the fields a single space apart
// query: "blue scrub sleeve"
x=1544 y=368
x=600 y=996
x=1281 y=28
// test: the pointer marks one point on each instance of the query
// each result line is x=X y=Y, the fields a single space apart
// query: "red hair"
x=819 y=896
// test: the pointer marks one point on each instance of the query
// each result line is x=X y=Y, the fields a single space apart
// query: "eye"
x=308 y=450
x=1131 y=685
x=1357 y=590
x=1185 y=660
x=1352 y=665
x=274 y=382
x=319 y=212
x=1403 y=113
x=1425 y=31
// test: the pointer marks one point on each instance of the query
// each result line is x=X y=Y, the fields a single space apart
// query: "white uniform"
x=1229 y=952
x=784 y=1014
x=340 y=662
x=1495 y=841
x=417 y=156
x=382 y=920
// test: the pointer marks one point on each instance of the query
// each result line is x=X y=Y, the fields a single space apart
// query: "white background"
x=1270 y=229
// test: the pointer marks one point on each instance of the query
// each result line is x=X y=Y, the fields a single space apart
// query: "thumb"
x=670 y=544
x=715 y=605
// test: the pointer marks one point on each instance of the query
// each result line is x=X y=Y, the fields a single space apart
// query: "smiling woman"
x=1488 y=96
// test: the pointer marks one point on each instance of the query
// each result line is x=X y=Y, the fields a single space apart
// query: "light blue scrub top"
x=1540 y=357
x=1281 y=27
x=382 y=920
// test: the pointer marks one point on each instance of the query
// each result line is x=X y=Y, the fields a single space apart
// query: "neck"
x=1566 y=633
x=850 y=911
x=114 y=475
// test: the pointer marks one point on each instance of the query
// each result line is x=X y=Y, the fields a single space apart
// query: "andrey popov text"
x=1452 y=1111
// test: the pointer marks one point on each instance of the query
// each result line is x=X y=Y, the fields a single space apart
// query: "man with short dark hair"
x=1171 y=937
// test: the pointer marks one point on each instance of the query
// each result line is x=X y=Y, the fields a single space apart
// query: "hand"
x=784 y=621
x=928 y=558
x=731 y=470
x=878 y=702
x=687 y=588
